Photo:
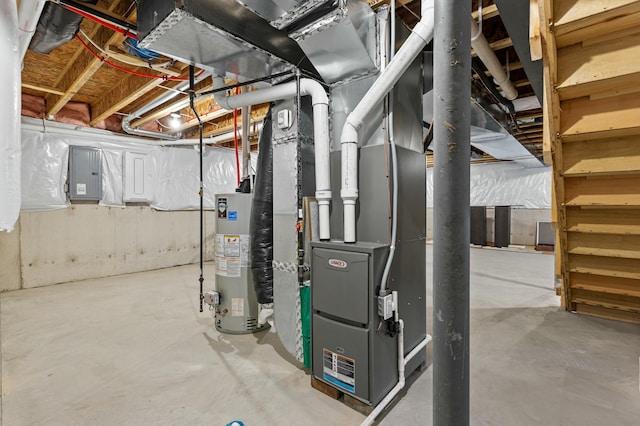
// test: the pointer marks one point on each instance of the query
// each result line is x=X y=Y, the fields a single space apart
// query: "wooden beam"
x=498 y=45
x=122 y=95
x=39 y=88
x=119 y=54
x=487 y=12
x=535 y=34
x=82 y=65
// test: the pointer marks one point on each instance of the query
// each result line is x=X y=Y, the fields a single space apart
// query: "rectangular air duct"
x=219 y=34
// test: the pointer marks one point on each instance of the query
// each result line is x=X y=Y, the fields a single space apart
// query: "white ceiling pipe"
x=28 y=15
x=490 y=60
x=420 y=36
x=320 y=103
x=246 y=150
x=126 y=126
x=126 y=122
x=10 y=150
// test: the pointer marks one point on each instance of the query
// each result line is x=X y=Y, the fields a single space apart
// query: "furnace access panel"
x=349 y=349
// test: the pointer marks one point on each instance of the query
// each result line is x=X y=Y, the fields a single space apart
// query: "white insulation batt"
x=9 y=117
x=505 y=184
x=175 y=173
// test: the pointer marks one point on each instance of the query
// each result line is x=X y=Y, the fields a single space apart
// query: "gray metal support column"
x=452 y=92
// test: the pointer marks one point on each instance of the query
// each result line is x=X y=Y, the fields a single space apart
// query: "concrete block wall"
x=523 y=224
x=91 y=241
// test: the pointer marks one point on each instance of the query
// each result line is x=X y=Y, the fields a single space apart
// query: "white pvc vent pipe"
x=490 y=60
x=320 y=103
x=10 y=145
x=420 y=36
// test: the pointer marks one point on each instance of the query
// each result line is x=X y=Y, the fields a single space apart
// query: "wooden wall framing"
x=592 y=139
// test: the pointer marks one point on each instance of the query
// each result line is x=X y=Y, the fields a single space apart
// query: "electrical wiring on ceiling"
x=129 y=71
x=153 y=66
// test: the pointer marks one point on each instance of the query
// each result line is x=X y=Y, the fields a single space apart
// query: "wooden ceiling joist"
x=83 y=65
x=44 y=89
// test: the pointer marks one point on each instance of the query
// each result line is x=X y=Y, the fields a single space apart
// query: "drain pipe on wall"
x=490 y=60
x=10 y=143
x=420 y=36
x=320 y=103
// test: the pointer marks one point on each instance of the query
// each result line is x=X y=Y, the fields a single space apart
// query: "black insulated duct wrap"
x=56 y=26
x=261 y=229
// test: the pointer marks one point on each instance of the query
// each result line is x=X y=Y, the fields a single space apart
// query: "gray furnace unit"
x=237 y=311
x=352 y=349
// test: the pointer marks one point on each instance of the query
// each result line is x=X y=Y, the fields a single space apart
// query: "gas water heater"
x=236 y=310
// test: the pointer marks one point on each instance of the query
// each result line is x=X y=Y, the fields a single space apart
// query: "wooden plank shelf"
x=616 y=156
x=625 y=246
x=604 y=266
x=598 y=68
x=586 y=119
x=608 y=221
x=578 y=20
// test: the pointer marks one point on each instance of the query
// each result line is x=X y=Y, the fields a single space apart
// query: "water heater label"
x=232 y=254
x=237 y=306
x=338 y=263
x=339 y=370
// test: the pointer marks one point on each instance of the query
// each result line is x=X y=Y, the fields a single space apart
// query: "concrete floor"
x=134 y=350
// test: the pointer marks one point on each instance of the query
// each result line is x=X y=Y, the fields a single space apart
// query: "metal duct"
x=56 y=26
x=218 y=34
x=488 y=134
x=342 y=43
x=282 y=13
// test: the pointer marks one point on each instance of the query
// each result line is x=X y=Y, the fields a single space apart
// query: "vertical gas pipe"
x=452 y=77
x=192 y=98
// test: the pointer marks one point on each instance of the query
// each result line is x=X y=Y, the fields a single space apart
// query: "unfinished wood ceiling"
x=71 y=77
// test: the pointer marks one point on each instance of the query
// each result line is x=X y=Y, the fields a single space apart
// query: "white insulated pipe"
x=246 y=149
x=29 y=13
x=490 y=60
x=320 y=103
x=402 y=363
x=420 y=36
x=10 y=104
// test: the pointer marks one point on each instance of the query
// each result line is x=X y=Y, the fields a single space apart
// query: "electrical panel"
x=137 y=177
x=85 y=173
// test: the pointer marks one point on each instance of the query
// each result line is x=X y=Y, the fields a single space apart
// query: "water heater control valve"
x=212 y=298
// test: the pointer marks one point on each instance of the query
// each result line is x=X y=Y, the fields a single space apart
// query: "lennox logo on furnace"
x=337 y=263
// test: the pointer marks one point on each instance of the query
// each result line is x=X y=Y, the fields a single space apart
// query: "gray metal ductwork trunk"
x=218 y=34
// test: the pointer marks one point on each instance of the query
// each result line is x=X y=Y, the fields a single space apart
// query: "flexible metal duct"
x=56 y=26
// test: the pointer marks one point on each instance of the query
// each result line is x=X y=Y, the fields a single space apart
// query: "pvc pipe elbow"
x=349 y=133
x=315 y=90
